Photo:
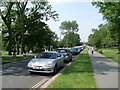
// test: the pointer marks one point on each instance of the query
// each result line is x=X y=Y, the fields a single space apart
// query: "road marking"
x=38 y=84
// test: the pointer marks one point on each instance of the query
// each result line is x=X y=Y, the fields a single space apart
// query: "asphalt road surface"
x=16 y=75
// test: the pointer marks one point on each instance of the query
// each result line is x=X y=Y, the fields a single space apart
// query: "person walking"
x=92 y=50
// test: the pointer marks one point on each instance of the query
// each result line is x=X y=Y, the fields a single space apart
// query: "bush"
x=100 y=51
x=96 y=49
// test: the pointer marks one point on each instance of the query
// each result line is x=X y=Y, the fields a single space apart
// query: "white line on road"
x=39 y=83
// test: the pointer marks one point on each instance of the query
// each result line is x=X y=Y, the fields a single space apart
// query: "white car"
x=46 y=62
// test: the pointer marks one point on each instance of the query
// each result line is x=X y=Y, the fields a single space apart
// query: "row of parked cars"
x=51 y=61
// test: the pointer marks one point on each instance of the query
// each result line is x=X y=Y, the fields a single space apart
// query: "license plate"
x=37 y=67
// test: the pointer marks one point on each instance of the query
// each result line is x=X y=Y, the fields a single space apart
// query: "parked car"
x=66 y=53
x=75 y=51
x=80 y=48
x=46 y=62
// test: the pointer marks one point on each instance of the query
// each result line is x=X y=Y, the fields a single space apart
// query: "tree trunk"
x=22 y=33
x=18 y=51
x=21 y=7
x=8 y=24
x=10 y=41
x=7 y=21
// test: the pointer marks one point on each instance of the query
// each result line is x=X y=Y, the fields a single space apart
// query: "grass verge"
x=112 y=54
x=6 y=58
x=78 y=75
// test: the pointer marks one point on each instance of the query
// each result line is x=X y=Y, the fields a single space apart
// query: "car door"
x=60 y=60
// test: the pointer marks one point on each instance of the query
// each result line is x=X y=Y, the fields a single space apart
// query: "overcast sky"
x=86 y=15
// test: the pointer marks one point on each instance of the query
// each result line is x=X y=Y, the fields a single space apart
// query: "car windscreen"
x=47 y=55
x=61 y=50
x=74 y=49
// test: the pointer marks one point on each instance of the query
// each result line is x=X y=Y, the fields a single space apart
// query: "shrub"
x=100 y=51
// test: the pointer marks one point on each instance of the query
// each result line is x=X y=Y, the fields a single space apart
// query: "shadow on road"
x=102 y=64
x=20 y=69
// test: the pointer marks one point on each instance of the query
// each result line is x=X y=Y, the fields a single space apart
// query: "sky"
x=86 y=15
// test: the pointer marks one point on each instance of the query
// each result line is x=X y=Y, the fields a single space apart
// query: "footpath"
x=106 y=71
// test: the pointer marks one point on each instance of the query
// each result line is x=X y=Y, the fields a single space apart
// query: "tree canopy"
x=69 y=29
x=24 y=27
x=111 y=12
x=102 y=37
x=69 y=26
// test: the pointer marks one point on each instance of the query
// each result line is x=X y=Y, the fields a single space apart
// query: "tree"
x=38 y=31
x=95 y=38
x=70 y=40
x=25 y=23
x=111 y=12
x=69 y=26
x=21 y=7
x=69 y=29
x=102 y=36
x=0 y=40
x=6 y=17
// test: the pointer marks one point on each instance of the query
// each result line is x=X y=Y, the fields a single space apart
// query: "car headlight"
x=29 y=64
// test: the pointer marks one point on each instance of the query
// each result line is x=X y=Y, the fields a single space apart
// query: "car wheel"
x=70 y=59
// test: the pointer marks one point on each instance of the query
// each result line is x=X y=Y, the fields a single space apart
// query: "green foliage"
x=0 y=35
x=100 y=51
x=0 y=41
x=111 y=12
x=23 y=27
x=69 y=26
x=71 y=38
x=102 y=37
x=95 y=39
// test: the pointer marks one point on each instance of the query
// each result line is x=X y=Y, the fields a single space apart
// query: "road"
x=15 y=75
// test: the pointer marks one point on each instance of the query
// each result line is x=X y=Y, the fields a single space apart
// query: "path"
x=106 y=71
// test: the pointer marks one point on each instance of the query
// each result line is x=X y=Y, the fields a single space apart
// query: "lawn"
x=4 y=53
x=112 y=54
x=11 y=59
x=78 y=75
x=7 y=58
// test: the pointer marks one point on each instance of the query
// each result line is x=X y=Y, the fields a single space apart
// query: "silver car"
x=46 y=62
x=66 y=53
